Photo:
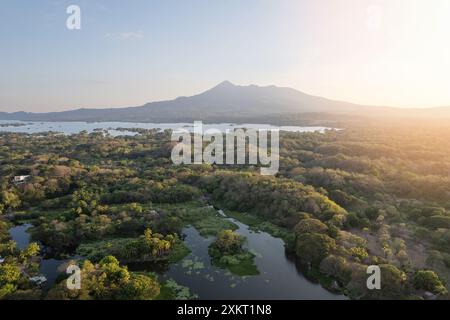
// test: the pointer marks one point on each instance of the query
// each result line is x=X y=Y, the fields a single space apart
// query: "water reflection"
x=50 y=268
x=279 y=278
x=117 y=128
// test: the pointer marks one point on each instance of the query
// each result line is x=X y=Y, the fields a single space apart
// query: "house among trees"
x=20 y=179
x=39 y=280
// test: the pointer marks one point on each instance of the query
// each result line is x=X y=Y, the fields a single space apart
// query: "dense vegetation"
x=108 y=280
x=227 y=251
x=342 y=200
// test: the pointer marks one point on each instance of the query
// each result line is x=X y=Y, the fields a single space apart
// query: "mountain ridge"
x=227 y=102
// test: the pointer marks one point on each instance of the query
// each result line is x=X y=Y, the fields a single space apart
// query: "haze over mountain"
x=227 y=102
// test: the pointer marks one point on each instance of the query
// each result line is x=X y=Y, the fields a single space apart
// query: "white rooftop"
x=38 y=279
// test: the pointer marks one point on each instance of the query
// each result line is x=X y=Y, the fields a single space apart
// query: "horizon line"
x=230 y=83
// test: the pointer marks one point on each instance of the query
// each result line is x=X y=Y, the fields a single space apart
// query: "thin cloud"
x=132 y=35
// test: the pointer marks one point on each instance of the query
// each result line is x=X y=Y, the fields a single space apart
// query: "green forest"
x=345 y=199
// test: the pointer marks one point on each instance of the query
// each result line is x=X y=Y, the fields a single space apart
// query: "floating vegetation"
x=192 y=265
x=178 y=292
x=209 y=277
x=228 y=252
x=255 y=253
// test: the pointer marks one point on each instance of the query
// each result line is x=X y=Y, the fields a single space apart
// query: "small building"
x=39 y=280
x=429 y=296
x=20 y=179
x=2 y=260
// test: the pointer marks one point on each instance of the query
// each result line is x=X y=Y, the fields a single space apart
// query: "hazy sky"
x=127 y=53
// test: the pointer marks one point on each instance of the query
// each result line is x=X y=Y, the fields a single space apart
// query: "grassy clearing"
x=257 y=224
x=97 y=250
x=33 y=215
x=245 y=266
x=205 y=219
x=248 y=219
x=166 y=293
x=179 y=252
x=170 y=290
x=240 y=263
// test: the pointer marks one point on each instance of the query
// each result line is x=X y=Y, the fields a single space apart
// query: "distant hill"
x=227 y=102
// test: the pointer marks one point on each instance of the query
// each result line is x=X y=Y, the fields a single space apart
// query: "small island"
x=227 y=251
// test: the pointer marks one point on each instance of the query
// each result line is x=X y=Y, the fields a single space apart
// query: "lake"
x=279 y=278
x=111 y=127
x=50 y=268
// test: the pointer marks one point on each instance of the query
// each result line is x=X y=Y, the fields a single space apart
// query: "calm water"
x=20 y=235
x=50 y=268
x=76 y=127
x=279 y=276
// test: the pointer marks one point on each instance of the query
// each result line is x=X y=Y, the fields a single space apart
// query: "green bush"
x=429 y=280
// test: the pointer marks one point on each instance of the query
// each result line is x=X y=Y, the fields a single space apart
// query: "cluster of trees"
x=371 y=160
x=350 y=198
x=227 y=251
x=312 y=242
x=228 y=242
x=63 y=231
x=331 y=185
x=120 y=169
x=429 y=280
x=107 y=280
x=281 y=201
x=17 y=267
x=394 y=183
x=148 y=247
